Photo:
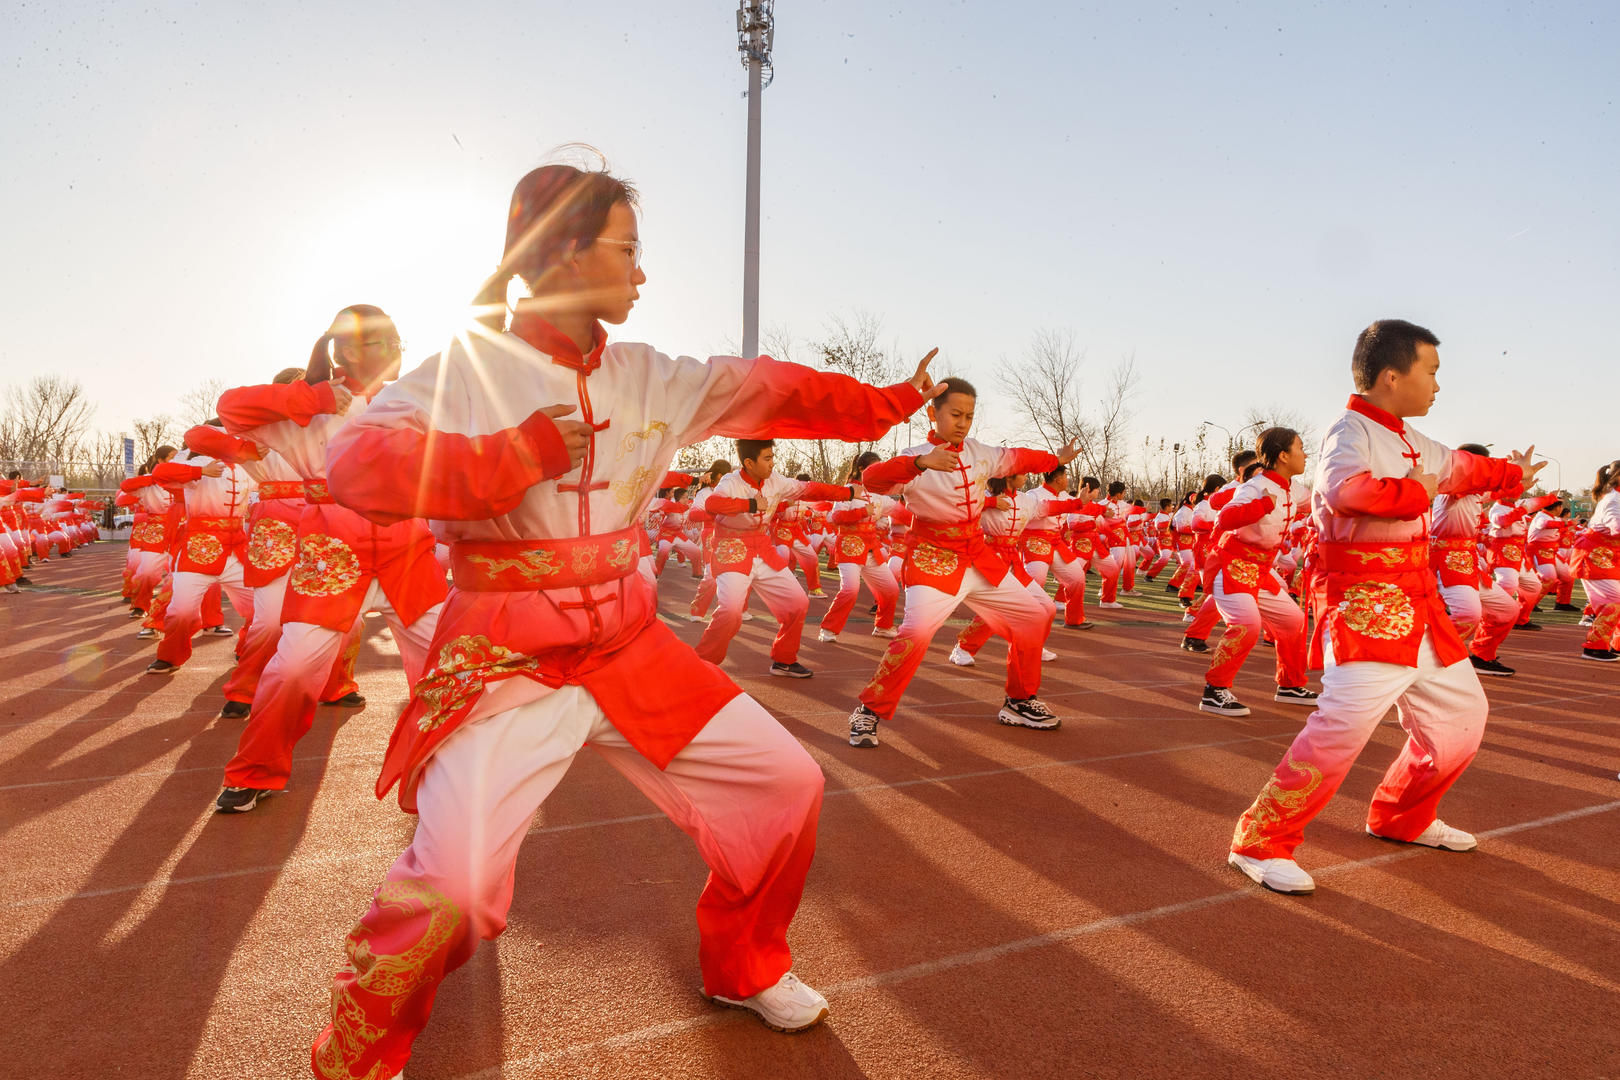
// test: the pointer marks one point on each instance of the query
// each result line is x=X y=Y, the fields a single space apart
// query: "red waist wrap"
x=210 y=541
x=1505 y=551
x=1455 y=559
x=1381 y=598
x=1247 y=567
x=736 y=549
x=940 y=554
x=525 y=565
x=315 y=491
x=855 y=543
x=1597 y=557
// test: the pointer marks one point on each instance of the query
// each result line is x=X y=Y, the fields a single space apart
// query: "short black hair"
x=956 y=385
x=1116 y=488
x=1387 y=343
x=1061 y=470
x=1242 y=459
x=802 y=476
x=1165 y=503
x=1475 y=448
x=1091 y=482
x=750 y=449
x=1213 y=483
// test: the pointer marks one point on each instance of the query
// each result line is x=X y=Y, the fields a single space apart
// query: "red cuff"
x=547 y=444
x=885 y=476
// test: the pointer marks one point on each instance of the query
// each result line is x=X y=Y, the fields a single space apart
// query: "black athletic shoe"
x=1295 y=695
x=161 y=667
x=794 y=670
x=1028 y=713
x=1528 y=626
x=217 y=631
x=235 y=710
x=352 y=700
x=1172 y=588
x=1185 y=602
x=863 y=725
x=1489 y=667
x=136 y=613
x=239 y=800
x=23 y=579
x=1268 y=643
x=1566 y=607
x=1218 y=699
x=1603 y=656
x=1194 y=644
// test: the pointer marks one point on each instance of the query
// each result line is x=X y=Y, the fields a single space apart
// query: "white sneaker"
x=747 y=616
x=694 y=618
x=826 y=636
x=961 y=657
x=1278 y=875
x=1439 y=835
x=1110 y=604
x=1062 y=605
x=1048 y=655
x=885 y=632
x=1129 y=592
x=788 y=1006
x=1586 y=620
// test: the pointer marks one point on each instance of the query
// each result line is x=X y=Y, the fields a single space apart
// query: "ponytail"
x=347 y=325
x=489 y=305
x=860 y=464
x=1272 y=444
x=319 y=369
x=1608 y=477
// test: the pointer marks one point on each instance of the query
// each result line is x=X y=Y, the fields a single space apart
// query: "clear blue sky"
x=1228 y=191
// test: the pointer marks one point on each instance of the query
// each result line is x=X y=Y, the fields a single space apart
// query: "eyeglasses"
x=394 y=345
x=633 y=245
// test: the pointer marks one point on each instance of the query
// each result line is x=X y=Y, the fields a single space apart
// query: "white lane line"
x=992 y=953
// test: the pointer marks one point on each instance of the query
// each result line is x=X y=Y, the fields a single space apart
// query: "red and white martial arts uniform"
x=860 y=557
x=1389 y=639
x=950 y=564
x=1246 y=591
x=1003 y=520
x=1597 y=564
x=788 y=531
x=212 y=547
x=550 y=641
x=13 y=558
x=1186 y=547
x=1543 y=541
x=1483 y=611
x=746 y=557
x=1505 y=549
x=344 y=567
x=1060 y=537
x=1116 y=526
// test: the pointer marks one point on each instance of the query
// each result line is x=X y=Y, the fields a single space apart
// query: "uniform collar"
x=535 y=330
x=935 y=440
x=1274 y=478
x=757 y=485
x=1376 y=415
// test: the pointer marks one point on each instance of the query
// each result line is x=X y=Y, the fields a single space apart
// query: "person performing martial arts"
x=1388 y=638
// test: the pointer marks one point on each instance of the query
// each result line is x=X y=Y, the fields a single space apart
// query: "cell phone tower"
x=756 y=28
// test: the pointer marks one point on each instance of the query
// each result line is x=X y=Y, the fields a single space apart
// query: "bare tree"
x=850 y=347
x=1045 y=390
x=154 y=432
x=201 y=403
x=1256 y=420
x=1105 y=448
x=44 y=420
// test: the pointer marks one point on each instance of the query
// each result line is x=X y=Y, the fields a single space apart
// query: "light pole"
x=756 y=31
x=1230 y=442
x=1559 y=490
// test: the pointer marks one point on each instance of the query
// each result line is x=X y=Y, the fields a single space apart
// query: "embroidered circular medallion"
x=1379 y=610
x=729 y=551
x=204 y=548
x=326 y=567
x=273 y=545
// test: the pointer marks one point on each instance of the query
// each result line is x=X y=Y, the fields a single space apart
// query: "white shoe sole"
x=1311 y=702
x=1012 y=719
x=730 y=1004
x=863 y=740
x=1257 y=876
x=1423 y=843
x=827 y=639
x=1221 y=710
x=779 y=673
x=966 y=661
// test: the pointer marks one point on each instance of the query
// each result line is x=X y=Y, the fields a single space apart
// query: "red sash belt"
x=1597 y=557
x=315 y=492
x=214 y=524
x=281 y=489
x=562 y=563
x=1385 y=561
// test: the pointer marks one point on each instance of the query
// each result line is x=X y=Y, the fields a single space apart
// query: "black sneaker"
x=1528 y=626
x=217 y=631
x=1194 y=644
x=1268 y=643
x=135 y=612
x=23 y=579
x=235 y=710
x=1565 y=607
x=1489 y=667
x=794 y=670
x=1172 y=588
x=1184 y=601
x=1605 y=656
x=352 y=700
x=1028 y=713
x=863 y=723
x=239 y=800
x=161 y=667
x=1218 y=699
x=1296 y=695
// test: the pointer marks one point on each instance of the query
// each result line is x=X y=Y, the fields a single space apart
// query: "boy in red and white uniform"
x=1246 y=591
x=1116 y=525
x=1597 y=564
x=1505 y=548
x=1052 y=543
x=345 y=566
x=1483 y=611
x=1005 y=515
x=215 y=495
x=860 y=557
x=793 y=539
x=1389 y=639
x=746 y=557
x=949 y=563
x=1543 y=538
x=517 y=447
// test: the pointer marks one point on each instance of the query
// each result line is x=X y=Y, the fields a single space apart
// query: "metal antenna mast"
x=756 y=28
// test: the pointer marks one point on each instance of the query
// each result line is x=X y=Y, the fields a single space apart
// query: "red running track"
x=986 y=902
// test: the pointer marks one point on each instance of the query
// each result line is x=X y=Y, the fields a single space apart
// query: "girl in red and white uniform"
x=1390 y=641
x=1246 y=591
x=747 y=558
x=859 y=556
x=1597 y=565
x=1116 y=526
x=149 y=536
x=950 y=564
x=1058 y=538
x=1483 y=611
x=215 y=495
x=791 y=529
x=1543 y=538
x=1206 y=522
x=514 y=446
x=1005 y=515
x=345 y=566
x=1505 y=548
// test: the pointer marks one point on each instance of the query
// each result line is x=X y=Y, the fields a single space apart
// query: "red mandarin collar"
x=1376 y=415
x=757 y=485
x=554 y=343
x=935 y=440
x=1276 y=479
